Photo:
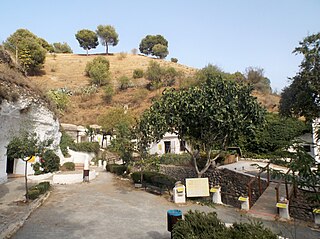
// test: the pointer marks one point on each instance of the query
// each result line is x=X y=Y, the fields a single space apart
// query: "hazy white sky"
x=232 y=34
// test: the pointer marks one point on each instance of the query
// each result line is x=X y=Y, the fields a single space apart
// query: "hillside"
x=67 y=70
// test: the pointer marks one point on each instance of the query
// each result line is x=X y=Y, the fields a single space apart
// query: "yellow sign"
x=180 y=190
x=243 y=199
x=281 y=205
x=32 y=160
x=197 y=187
x=316 y=210
x=159 y=147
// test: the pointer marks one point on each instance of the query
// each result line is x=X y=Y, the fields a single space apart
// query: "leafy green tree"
x=147 y=44
x=302 y=96
x=108 y=36
x=277 y=134
x=119 y=122
x=25 y=146
x=87 y=39
x=212 y=116
x=160 y=51
x=59 y=47
x=255 y=76
x=29 y=50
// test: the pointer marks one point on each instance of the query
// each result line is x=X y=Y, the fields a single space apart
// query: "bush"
x=108 y=93
x=116 y=168
x=90 y=147
x=98 y=71
x=68 y=166
x=137 y=73
x=33 y=194
x=61 y=47
x=176 y=159
x=199 y=225
x=124 y=82
x=65 y=142
x=50 y=162
x=154 y=178
x=174 y=60
x=139 y=95
x=60 y=99
x=36 y=190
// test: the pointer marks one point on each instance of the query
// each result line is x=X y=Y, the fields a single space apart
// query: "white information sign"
x=197 y=187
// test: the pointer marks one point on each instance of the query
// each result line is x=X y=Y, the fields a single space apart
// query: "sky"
x=232 y=34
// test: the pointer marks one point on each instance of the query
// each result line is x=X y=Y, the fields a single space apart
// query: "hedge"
x=116 y=168
x=38 y=189
x=154 y=178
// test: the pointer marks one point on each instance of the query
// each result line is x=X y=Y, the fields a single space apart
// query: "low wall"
x=233 y=184
x=79 y=157
x=300 y=208
x=72 y=178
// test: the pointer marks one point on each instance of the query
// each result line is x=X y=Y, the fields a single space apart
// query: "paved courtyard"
x=109 y=207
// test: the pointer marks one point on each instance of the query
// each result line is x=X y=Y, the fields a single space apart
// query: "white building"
x=316 y=143
x=170 y=143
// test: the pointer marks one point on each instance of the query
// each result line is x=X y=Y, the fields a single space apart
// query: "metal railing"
x=258 y=177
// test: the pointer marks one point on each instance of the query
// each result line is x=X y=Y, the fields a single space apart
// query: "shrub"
x=108 y=93
x=154 y=178
x=65 y=142
x=116 y=168
x=90 y=147
x=60 y=99
x=174 y=60
x=98 y=71
x=122 y=55
x=33 y=194
x=38 y=189
x=124 y=82
x=137 y=73
x=200 y=225
x=50 y=162
x=68 y=166
x=176 y=159
x=134 y=51
x=59 y=47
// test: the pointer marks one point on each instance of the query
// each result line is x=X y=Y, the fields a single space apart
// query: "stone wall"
x=300 y=208
x=233 y=184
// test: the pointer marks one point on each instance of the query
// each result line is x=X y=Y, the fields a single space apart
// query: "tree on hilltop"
x=107 y=35
x=155 y=45
x=87 y=39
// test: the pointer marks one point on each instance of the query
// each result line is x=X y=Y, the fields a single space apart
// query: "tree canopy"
x=302 y=96
x=87 y=39
x=148 y=43
x=212 y=116
x=28 y=48
x=108 y=36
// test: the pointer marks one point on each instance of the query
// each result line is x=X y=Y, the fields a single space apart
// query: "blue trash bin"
x=173 y=216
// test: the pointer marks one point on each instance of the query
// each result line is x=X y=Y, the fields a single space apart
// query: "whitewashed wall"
x=159 y=148
x=316 y=149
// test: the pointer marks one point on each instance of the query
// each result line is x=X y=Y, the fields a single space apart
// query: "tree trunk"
x=107 y=52
x=87 y=52
x=26 y=180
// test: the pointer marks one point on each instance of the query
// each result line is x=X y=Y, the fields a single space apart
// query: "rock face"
x=22 y=108
x=25 y=114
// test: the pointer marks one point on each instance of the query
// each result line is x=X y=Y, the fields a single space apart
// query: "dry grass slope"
x=67 y=70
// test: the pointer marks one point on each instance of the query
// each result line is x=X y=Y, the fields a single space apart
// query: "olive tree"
x=87 y=39
x=108 y=36
x=211 y=116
